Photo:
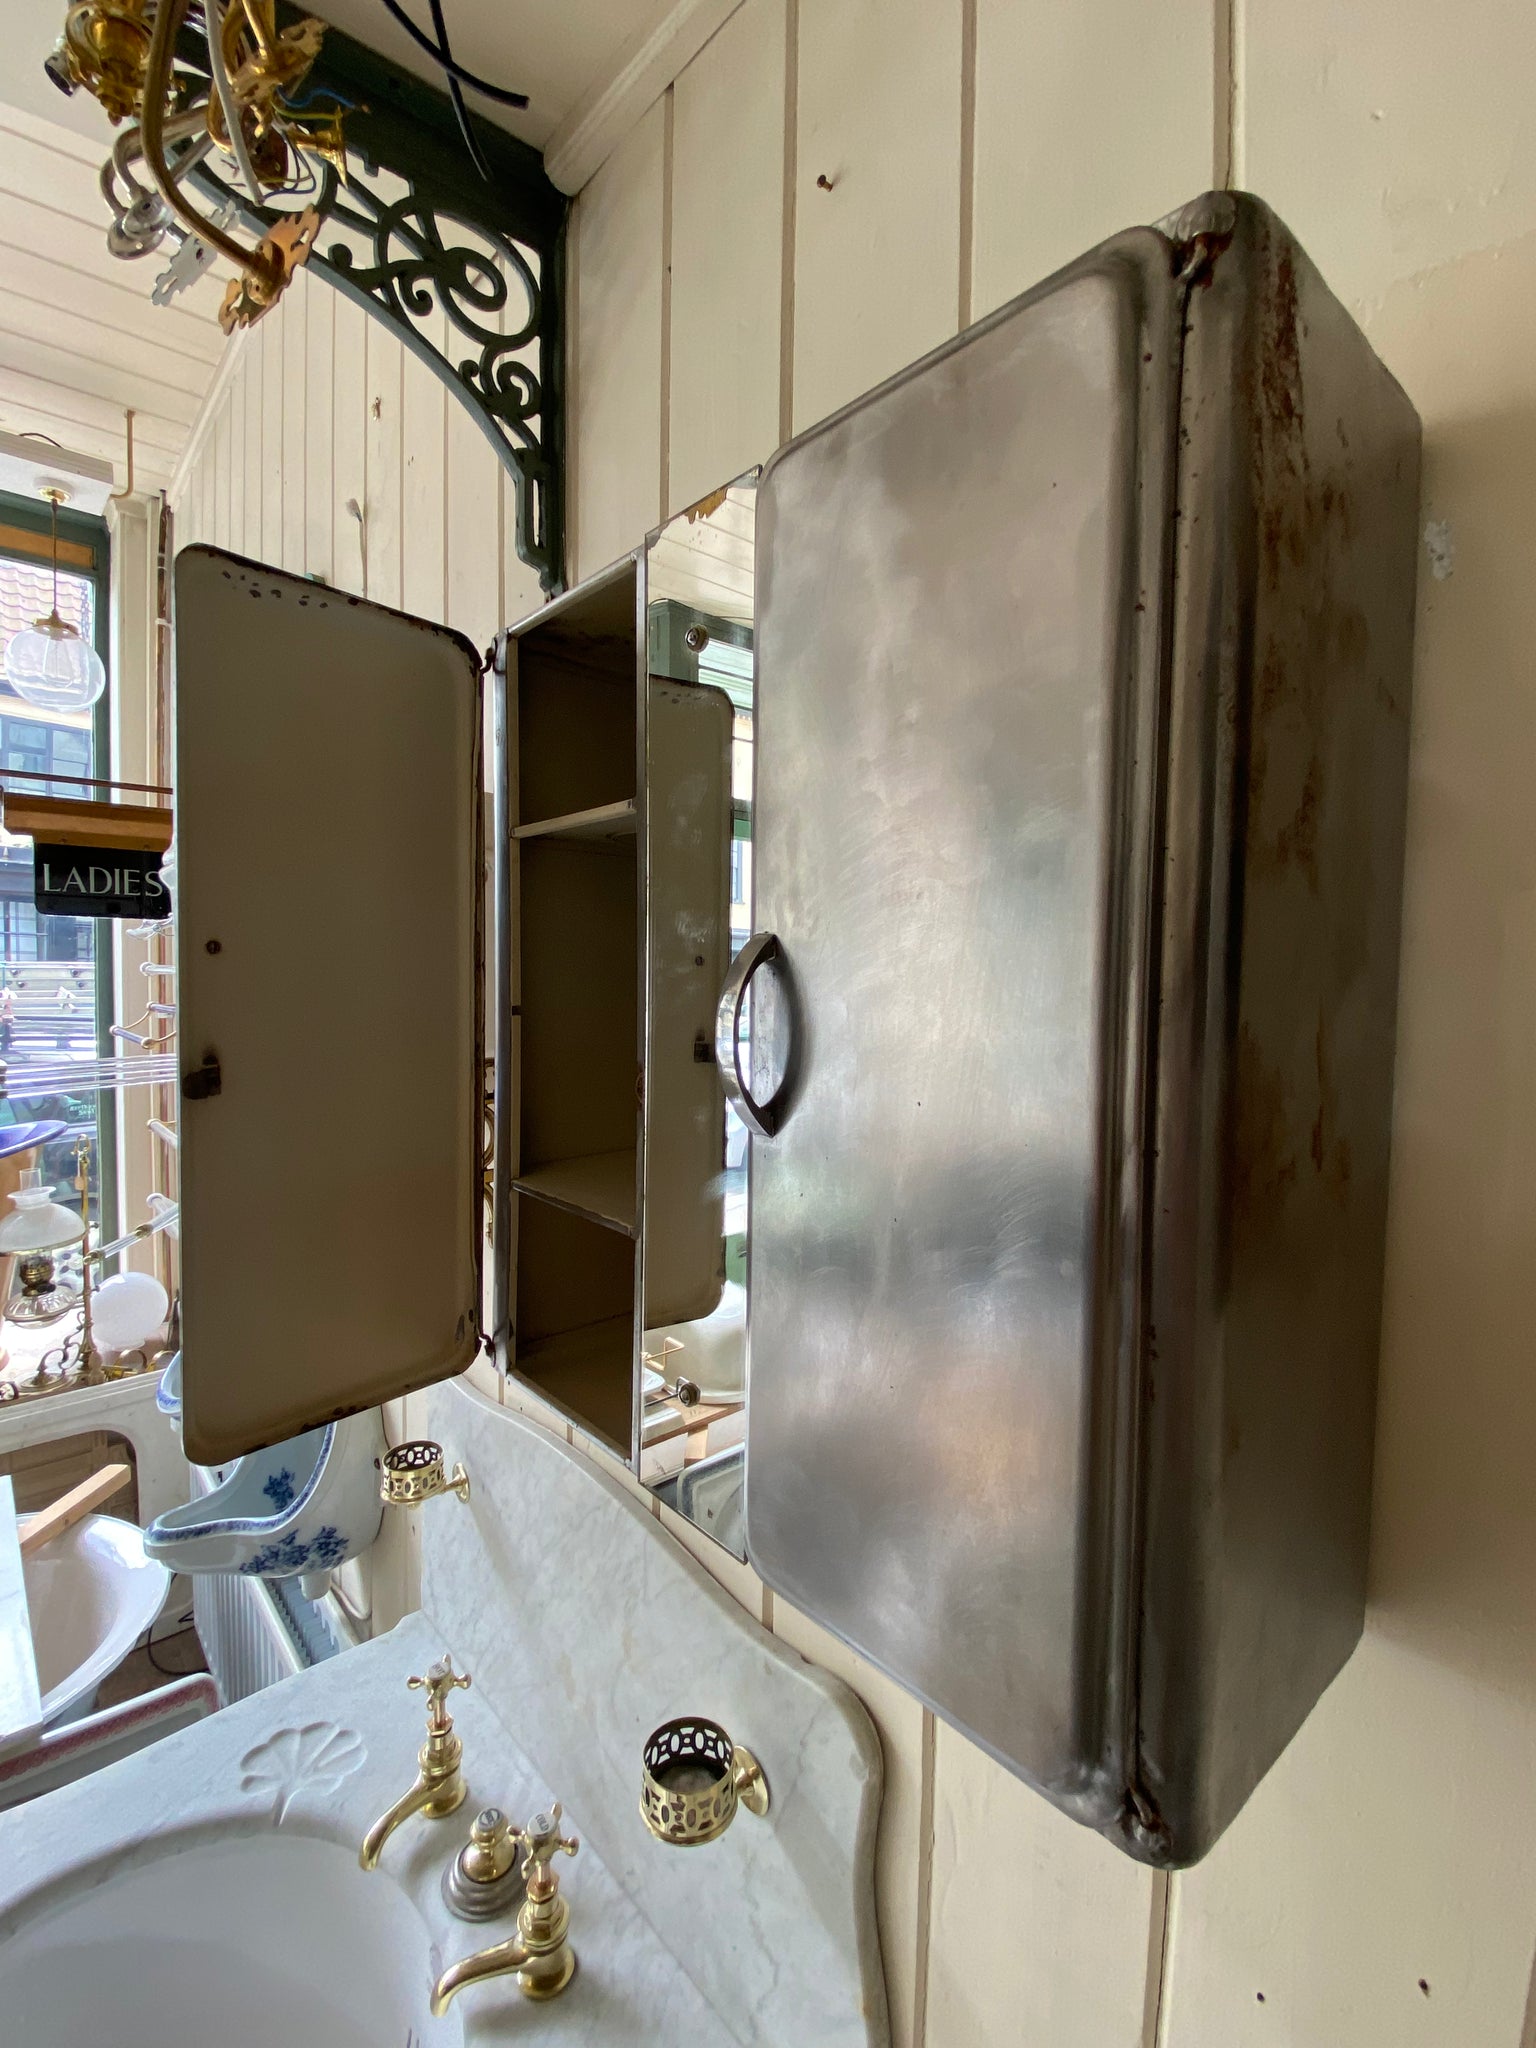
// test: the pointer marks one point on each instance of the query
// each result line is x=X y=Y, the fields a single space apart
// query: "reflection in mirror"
x=699 y=885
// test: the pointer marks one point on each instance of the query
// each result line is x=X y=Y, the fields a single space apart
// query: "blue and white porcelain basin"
x=244 y=1940
x=303 y=1506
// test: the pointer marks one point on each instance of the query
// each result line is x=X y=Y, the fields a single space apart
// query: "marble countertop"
x=322 y=1755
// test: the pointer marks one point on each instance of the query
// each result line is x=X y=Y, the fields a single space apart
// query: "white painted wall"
x=1380 y=1891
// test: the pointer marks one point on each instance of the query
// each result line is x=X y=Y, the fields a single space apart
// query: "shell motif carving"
x=314 y=1758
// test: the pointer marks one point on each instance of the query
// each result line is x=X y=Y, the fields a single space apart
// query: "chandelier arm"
x=169 y=16
x=213 y=18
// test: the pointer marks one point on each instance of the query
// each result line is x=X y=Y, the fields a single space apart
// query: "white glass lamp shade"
x=39 y=1223
x=126 y=1308
x=50 y=665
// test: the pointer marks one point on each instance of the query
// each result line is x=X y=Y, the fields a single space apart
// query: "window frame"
x=87 y=530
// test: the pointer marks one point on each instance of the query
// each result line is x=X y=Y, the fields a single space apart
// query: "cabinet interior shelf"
x=604 y=821
x=600 y=1187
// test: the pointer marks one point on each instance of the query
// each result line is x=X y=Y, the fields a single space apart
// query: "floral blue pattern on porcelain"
x=288 y=1556
x=280 y=1488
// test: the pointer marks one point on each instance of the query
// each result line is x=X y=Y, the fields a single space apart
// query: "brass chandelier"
x=133 y=57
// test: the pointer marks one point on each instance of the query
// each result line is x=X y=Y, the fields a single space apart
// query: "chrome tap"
x=538 y=1955
x=439 y=1788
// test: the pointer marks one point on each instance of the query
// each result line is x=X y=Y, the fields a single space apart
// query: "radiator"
x=253 y=1633
x=245 y=1635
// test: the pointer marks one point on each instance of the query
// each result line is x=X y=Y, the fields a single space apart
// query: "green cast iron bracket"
x=414 y=233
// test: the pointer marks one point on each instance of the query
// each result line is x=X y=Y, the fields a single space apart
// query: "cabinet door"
x=329 y=858
x=959 y=624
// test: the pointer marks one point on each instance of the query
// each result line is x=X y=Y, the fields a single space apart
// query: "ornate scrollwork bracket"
x=469 y=274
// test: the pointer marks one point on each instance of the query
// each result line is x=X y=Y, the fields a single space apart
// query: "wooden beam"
x=66 y=821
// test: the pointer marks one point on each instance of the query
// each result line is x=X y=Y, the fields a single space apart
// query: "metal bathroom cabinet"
x=1084 y=655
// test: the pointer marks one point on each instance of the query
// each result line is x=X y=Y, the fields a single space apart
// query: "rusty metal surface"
x=1286 y=785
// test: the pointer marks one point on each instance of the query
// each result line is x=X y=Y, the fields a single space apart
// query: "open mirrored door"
x=328 y=814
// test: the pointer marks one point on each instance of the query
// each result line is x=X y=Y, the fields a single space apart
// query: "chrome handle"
x=761 y=1117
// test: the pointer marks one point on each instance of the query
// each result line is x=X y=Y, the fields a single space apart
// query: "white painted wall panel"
x=1088 y=119
x=291 y=323
x=349 y=457
x=1391 y=139
x=1039 y=1927
x=616 y=235
x=381 y=443
x=423 y=504
x=727 y=253
x=319 y=370
x=877 y=258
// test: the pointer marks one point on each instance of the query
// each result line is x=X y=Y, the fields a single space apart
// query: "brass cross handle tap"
x=539 y=1955
x=439 y=1787
x=542 y=1842
x=440 y=1680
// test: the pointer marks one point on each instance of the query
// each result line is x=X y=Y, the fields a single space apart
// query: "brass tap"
x=439 y=1788
x=538 y=1955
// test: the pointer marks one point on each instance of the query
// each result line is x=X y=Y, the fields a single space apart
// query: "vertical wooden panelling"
x=221 y=477
x=1390 y=140
x=1088 y=120
x=727 y=233
x=876 y=255
x=291 y=312
x=1039 y=1927
x=238 y=470
x=268 y=339
x=349 y=457
x=253 y=367
x=423 y=430
x=381 y=436
x=319 y=305
x=617 y=233
x=473 y=489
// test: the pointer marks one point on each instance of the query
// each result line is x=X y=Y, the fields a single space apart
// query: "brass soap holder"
x=414 y=1472
x=694 y=1779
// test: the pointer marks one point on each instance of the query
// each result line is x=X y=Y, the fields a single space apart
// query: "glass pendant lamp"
x=49 y=663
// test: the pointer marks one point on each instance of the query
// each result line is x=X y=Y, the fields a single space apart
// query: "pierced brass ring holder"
x=693 y=1780
x=413 y=1472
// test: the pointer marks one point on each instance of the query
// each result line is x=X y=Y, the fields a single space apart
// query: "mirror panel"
x=698 y=840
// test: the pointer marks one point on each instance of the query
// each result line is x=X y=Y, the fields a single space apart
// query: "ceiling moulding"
x=600 y=120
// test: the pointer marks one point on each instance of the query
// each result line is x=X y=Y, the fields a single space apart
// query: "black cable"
x=454 y=69
x=456 y=95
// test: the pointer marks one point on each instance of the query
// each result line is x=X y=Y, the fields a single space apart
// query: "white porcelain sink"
x=237 y=1943
x=91 y=1593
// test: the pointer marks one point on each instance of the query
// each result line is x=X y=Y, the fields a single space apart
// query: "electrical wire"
x=456 y=96
x=449 y=63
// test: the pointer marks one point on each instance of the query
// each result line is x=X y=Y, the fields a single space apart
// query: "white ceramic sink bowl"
x=237 y=1943
x=91 y=1593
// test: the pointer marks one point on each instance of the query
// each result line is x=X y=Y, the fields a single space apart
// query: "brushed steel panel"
x=958 y=616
